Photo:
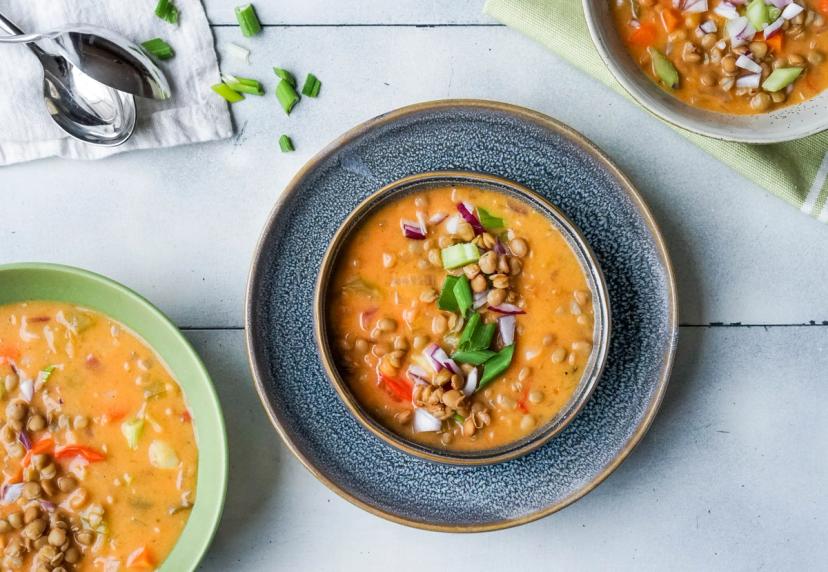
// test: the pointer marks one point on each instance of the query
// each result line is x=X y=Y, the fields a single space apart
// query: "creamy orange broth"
x=406 y=275
x=120 y=509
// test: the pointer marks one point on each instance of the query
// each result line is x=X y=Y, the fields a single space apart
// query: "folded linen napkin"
x=794 y=171
x=191 y=115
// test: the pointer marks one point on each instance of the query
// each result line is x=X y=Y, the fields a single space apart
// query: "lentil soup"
x=460 y=318
x=729 y=56
x=99 y=471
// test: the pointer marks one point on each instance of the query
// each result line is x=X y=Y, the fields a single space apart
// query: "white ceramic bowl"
x=786 y=124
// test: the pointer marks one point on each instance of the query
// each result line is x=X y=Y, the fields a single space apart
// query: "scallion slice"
x=497 y=365
x=476 y=357
x=228 y=94
x=312 y=86
x=285 y=75
x=285 y=144
x=447 y=301
x=468 y=330
x=242 y=84
x=239 y=52
x=488 y=220
x=463 y=294
x=167 y=11
x=158 y=48
x=286 y=95
x=248 y=21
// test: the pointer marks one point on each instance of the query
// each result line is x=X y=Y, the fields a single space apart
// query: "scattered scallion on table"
x=248 y=21
x=312 y=86
x=242 y=84
x=285 y=144
x=287 y=96
x=227 y=93
x=158 y=48
x=285 y=75
x=167 y=11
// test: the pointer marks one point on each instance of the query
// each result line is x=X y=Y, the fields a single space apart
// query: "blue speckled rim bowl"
x=579 y=246
x=786 y=124
x=516 y=144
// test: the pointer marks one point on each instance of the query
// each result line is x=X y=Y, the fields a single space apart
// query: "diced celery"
x=664 y=68
x=758 y=14
x=459 y=255
x=132 y=431
x=162 y=455
x=780 y=78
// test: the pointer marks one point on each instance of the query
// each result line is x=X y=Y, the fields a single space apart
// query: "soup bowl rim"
x=546 y=431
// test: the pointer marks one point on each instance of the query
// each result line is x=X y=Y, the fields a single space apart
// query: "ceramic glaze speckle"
x=514 y=144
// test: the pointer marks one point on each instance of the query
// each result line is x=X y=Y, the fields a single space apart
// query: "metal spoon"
x=75 y=64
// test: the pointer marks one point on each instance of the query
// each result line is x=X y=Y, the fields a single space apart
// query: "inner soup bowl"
x=403 y=388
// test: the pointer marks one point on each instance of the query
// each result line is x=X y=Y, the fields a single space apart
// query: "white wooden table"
x=732 y=475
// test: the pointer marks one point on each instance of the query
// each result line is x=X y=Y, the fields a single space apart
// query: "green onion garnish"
x=468 y=331
x=285 y=144
x=463 y=294
x=47 y=371
x=476 y=357
x=167 y=11
x=242 y=84
x=476 y=335
x=287 y=95
x=497 y=365
x=459 y=255
x=285 y=75
x=447 y=301
x=227 y=93
x=488 y=220
x=312 y=85
x=248 y=21
x=158 y=48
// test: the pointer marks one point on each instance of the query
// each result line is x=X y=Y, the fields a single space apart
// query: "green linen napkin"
x=794 y=171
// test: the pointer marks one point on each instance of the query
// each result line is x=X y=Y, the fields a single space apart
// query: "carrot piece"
x=822 y=6
x=44 y=445
x=9 y=352
x=71 y=451
x=115 y=414
x=644 y=35
x=670 y=19
x=140 y=558
x=397 y=388
x=16 y=478
x=186 y=417
x=775 y=43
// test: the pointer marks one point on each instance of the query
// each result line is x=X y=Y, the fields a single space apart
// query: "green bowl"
x=35 y=281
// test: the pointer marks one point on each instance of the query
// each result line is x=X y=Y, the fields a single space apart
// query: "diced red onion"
x=499 y=247
x=439 y=359
x=425 y=422
x=508 y=309
x=506 y=325
x=750 y=81
x=748 y=64
x=412 y=230
x=676 y=4
x=421 y=219
x=480 y=299
x=452 y=224
x=418 y=374
x=27 y=389
x=726 y=10
x=773 y=28
x=780 y=3
x=471 y=382
x=11 y=493
x=467 y=212
x=694 y=6
x=25 y=440
x=791 y=11
x=740 y=31
x=708 y=27
x=437 y=218
x=48 y=505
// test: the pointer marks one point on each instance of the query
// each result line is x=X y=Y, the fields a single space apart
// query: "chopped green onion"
x=285 y=144
x=285 y=75
x=459 y=255
x=167 y=11
x=242 y=84
x=248 y=21
x=459 y=418
x=158 y=48
x=664 y=68
x=47 y=371
x=287 y=95
x=312 y=85
x=447 y=301
x=482 y=337
x=497 y=365
x=227 y=93
x=132 y=431
x=476 y=357
x=774 y=13
x=463 y=294
x=780 y=78
x=758 y=14
x=468 y=330
x=488 y=220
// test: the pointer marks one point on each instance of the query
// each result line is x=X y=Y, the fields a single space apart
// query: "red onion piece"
x=413 y=230
x=499 y=248
x=467 y=212
x=791 y=11
x=750 y=81
x=48 y=506
x=418 y=374
x=10 y=493
x=506 y=325
x=425 y=422
x=25 y=440
x=471 y=382
x=27 y=389
x=437 y=218
x=748 y=64
x=508 y=309
x=726 y=10
x=708 y=27
x=740 y=31
x=780 y=3
x=480 y=299
x=694 y=6
x=773 y=28
x=439 y=359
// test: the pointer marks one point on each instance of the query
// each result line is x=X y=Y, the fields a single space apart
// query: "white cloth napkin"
x=193 y=113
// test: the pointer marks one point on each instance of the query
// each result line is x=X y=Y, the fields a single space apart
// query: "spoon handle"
x=16 y=34
x=9 y=26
